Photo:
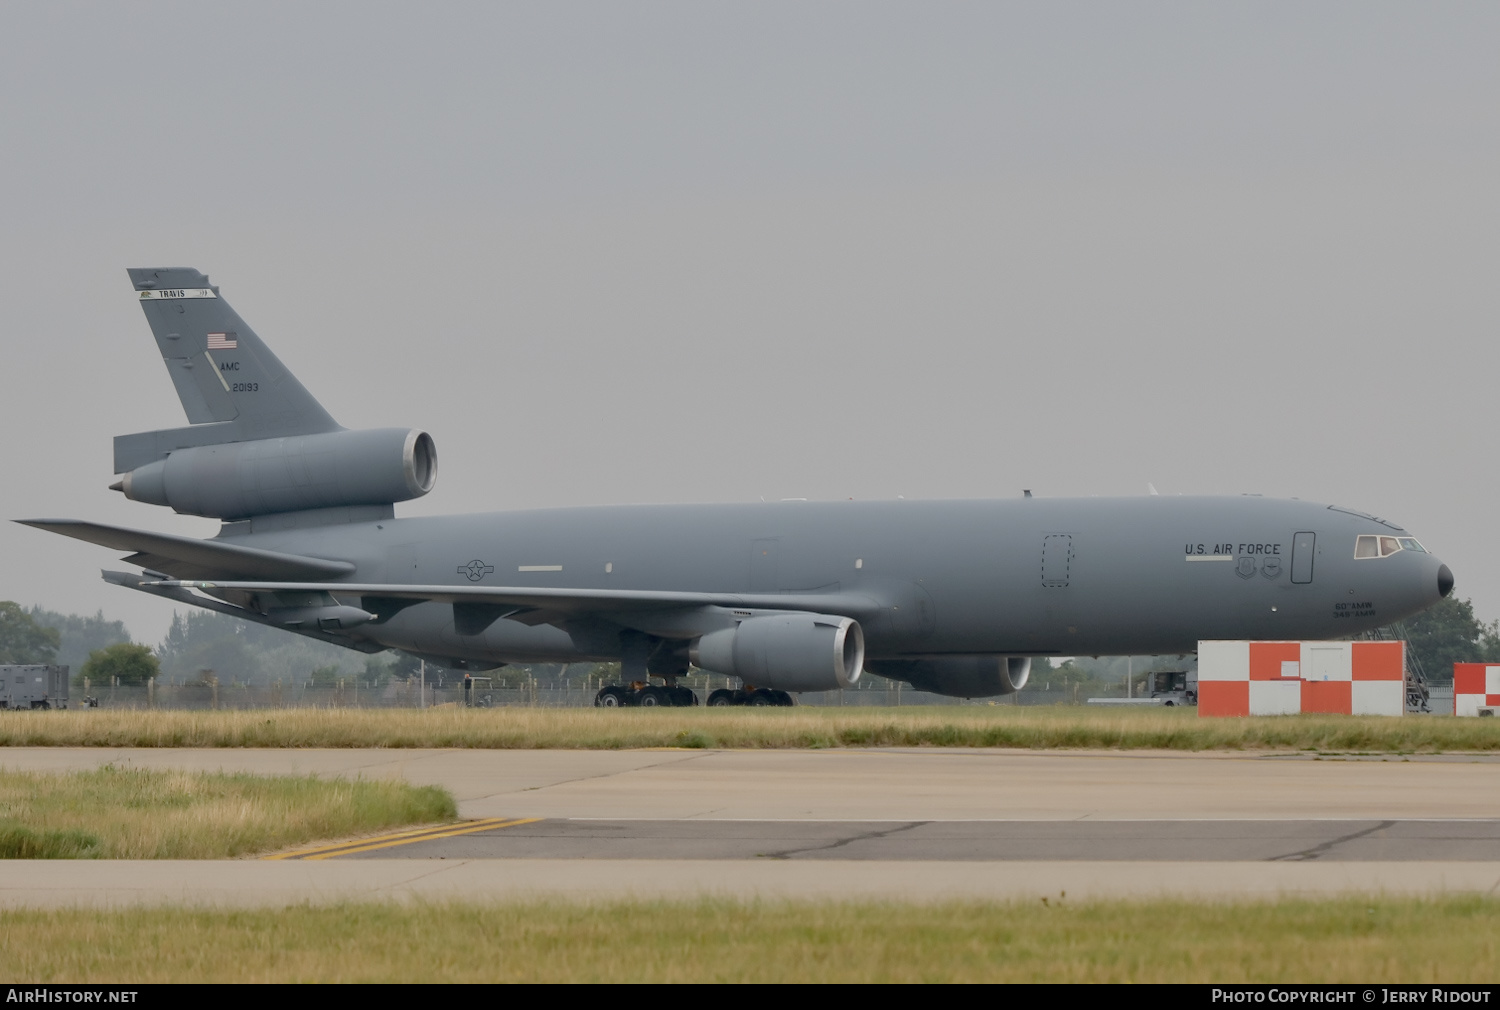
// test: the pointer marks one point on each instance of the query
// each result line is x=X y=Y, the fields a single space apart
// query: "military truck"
x=33 y=687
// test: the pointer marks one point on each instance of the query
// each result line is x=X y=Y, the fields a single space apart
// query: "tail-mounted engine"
x=237 y=480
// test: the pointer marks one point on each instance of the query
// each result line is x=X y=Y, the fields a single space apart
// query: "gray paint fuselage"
x=949 y=577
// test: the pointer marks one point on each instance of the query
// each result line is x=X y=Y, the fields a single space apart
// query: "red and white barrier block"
x=1285 y=678
x=1476 y=687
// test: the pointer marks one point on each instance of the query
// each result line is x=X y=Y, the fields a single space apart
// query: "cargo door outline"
x=1057 y=560
x=1304 y=547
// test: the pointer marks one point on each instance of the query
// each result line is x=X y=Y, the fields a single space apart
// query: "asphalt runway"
x=1000 y=841
x=921 y=824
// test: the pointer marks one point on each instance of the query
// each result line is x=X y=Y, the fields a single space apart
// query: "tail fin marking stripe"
x=175 y=293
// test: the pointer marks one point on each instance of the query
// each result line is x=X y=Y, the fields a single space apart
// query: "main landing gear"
x=671 y=696
x=645 y=696
x=643 y=657
x=755 y=696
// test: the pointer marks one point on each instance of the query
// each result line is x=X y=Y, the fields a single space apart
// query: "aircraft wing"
x=534 y=605
x=188 y=558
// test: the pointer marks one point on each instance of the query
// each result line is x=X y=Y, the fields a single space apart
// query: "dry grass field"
x=1359 y=940
x=113 y=813
x=573 y=728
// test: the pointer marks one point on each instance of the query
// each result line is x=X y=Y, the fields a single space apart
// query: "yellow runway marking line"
x=415 y=834
x=405 y=838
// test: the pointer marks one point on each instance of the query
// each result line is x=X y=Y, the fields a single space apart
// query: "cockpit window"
x=1370 y=546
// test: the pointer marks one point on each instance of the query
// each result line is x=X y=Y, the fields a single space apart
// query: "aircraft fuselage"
x=1027 y=576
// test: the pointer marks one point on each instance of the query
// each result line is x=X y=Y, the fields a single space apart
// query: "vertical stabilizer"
x=223 y=373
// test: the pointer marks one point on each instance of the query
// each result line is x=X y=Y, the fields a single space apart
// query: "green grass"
x=113 y=813
x=1361 y=940
x=572 y=728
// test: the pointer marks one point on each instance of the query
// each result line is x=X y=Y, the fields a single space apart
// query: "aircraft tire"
x=611 y=697
x=654 y=697
x=682 y=697
x=784 y=700
x=722 y=698
x=760 y=697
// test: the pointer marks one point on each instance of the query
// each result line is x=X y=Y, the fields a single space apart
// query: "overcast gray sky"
x=707 y=252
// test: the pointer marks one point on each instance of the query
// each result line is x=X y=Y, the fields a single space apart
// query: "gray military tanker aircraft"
x=954 y=597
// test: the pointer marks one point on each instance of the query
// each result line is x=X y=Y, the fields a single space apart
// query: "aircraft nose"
x=1445 y=580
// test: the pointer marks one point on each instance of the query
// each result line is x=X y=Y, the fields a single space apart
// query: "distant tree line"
x=202 y=644
x=1449 y=633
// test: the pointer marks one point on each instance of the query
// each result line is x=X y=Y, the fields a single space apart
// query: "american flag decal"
x=222 y=341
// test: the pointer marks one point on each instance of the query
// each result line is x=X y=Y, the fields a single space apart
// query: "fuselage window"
x=1369 y=546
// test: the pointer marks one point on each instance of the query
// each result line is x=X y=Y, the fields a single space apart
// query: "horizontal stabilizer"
x=188 y=558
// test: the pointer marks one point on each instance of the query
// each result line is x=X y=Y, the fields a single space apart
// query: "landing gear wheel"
x=783 y=699
x=654 y=697
x=611 y=697
x=760 y=698
x=682 y=697
x=722 y=698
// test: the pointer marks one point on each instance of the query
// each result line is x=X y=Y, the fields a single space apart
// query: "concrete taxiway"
x=908 y=824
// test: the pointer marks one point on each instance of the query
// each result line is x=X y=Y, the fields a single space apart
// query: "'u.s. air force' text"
x=1231 y=549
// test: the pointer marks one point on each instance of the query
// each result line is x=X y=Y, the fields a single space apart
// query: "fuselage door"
x=1304 y=546
x=1057 y=560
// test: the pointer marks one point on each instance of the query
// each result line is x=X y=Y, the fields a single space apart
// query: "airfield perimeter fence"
x=575 y=693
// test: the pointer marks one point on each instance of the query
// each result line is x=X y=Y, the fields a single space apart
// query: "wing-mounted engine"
x=236 y=480
x=786 y=652
x=960 y=676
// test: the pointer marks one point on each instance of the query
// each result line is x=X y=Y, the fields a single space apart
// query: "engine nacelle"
x=786 y=652
x=236 y=480
x=960 y=676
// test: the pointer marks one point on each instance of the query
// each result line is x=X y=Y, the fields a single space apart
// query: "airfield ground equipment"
x=1287 y=678
x=1168 y=688
x=33 y=687
x=1476 y=689
x=1175 y=687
